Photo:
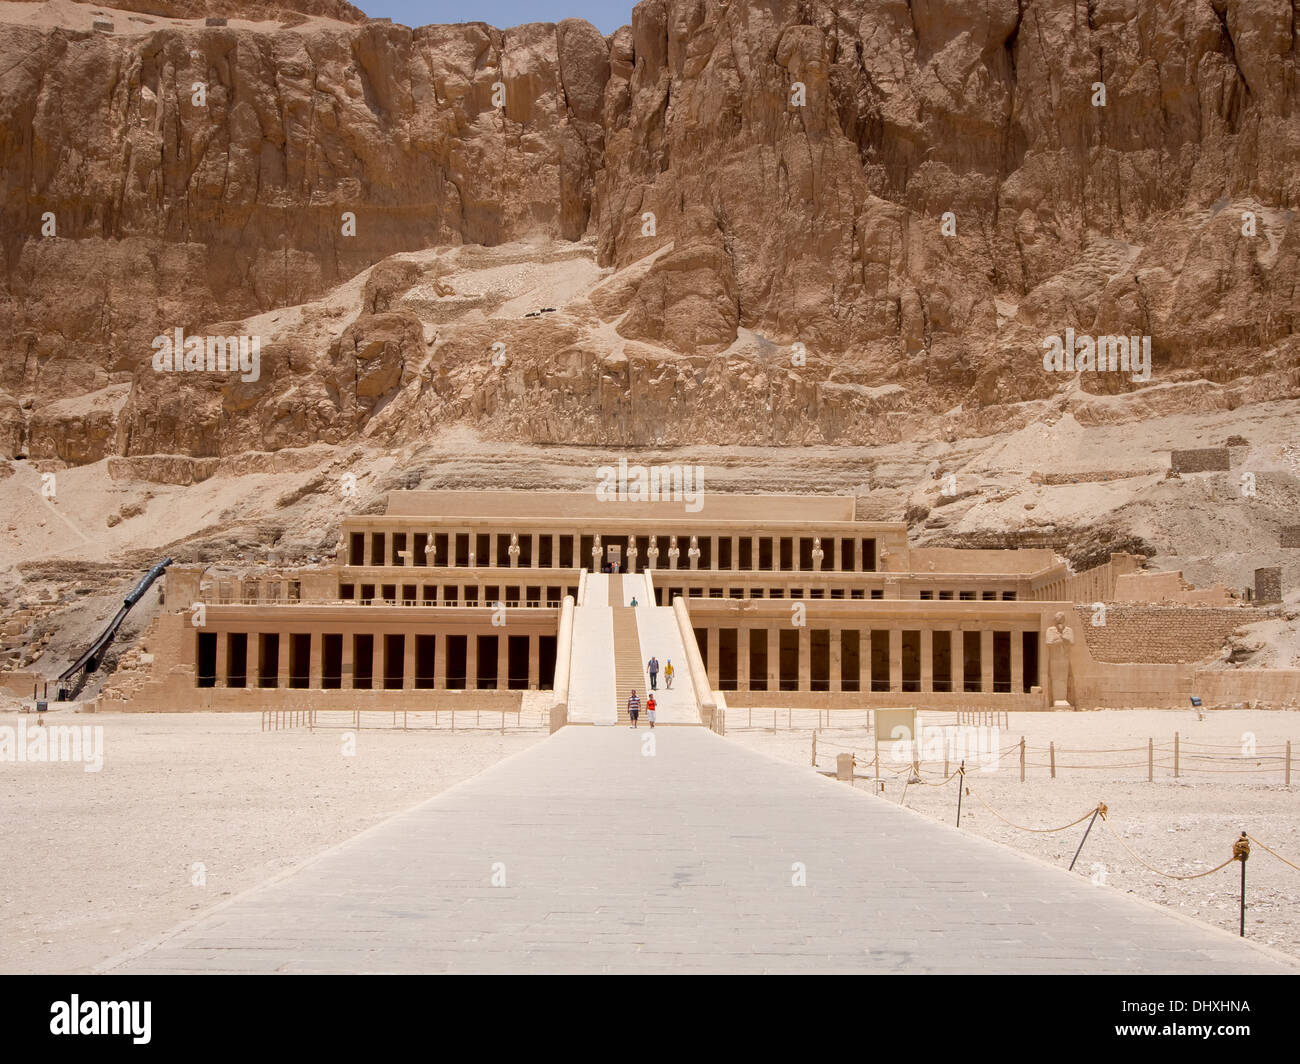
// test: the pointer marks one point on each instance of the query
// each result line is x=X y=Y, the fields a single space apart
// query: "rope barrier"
x=1273 y=852
x=1036 y=831
x=1167 y=875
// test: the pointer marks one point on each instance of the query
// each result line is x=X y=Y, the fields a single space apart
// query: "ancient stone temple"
x=469 y=599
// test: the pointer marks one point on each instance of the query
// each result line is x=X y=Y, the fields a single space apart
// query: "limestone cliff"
x=915 y=192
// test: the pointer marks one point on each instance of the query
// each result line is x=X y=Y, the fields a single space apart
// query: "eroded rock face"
x=918 y=193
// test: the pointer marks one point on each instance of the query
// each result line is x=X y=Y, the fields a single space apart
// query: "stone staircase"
x=629 y=669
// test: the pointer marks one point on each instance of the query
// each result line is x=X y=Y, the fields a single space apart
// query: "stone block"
x=1200 y=460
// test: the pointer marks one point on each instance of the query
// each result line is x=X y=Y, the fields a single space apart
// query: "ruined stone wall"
x=1165 y=634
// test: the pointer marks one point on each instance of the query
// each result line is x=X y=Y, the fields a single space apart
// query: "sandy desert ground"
x=1179 y=826
x=97 y=862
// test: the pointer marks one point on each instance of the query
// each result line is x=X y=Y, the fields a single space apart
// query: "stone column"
x=805 y=659
x=895 y=659
x=315 y=660
x=471 y=660
x=346 y=669
x=927 y=660
x=986 y=661
x=1017 y=662
x=282 y=663
x=223 y=659
x=534 y=662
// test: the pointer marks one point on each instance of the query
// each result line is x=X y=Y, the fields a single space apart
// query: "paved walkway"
x=614 y=861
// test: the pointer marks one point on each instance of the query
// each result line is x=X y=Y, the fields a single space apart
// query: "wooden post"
x=1022 y=759
x=1051 y=749
x=1151 y=760
x=1175 y=755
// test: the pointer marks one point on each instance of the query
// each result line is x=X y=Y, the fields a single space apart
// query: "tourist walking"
x=633 y=708
x=652 y=666
x=668 y=673
x=650 y=710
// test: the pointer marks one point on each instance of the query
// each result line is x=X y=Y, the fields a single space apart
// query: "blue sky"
x=605 y=15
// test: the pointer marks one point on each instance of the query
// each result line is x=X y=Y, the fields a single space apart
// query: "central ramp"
x=614 y=861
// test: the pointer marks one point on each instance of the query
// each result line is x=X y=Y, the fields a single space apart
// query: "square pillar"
x=895 y=659
x=282 y=662
x=471 y=660
x=986 y=661
x=223 y=659
x=314 y=661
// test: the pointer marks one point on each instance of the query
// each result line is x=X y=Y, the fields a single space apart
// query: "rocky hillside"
x=917 y=192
